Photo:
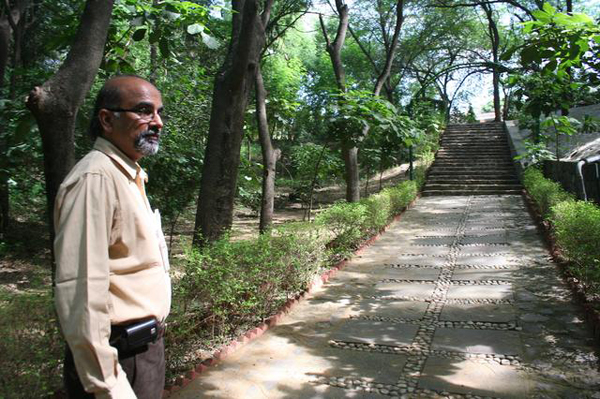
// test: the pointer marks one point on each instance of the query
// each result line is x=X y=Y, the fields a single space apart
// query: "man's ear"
x=106 y=119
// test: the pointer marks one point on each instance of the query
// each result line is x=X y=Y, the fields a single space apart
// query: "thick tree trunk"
x=218 y=186
x=55 y=103
x=350 y=155
x=270 y=156
x=9 y=22
x=4 y=193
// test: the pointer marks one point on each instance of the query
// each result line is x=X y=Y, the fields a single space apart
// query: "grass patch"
x=31 y=345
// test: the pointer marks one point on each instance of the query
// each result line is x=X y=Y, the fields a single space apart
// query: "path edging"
x=227 y=349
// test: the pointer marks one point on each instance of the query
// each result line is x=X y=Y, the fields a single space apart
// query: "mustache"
x=147 y=133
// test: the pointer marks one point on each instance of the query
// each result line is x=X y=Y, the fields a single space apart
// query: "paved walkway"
x=457 y=299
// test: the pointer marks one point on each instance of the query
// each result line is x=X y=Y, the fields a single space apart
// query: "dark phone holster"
x=133 y=336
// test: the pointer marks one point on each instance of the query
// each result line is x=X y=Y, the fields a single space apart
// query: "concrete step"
x=435 y=180
x=464 y=186
x=472 y=174
x=467 y=168
x=430 y=193
x=491 y=164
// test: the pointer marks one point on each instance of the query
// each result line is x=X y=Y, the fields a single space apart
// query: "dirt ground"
x=245 y=224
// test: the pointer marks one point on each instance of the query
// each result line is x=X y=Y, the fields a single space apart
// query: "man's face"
x=135 y=126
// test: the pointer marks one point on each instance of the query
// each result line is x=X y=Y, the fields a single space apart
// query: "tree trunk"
x=154 y=54
x=55 y=103
x=4 y=193
x=350 y=154
x=495 y=39
x=334 y=49
x=214 y=214
x=269 y=154
x=12 y=21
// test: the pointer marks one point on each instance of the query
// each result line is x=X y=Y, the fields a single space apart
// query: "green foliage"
x=160 y=24
x=250 y=184
x=346 y=221
x=401 y=196
x=312 y=162
x=544 y=192
x=471 y=115
x=535 y=153
x=233 y=282
x=577 y=230
x=431 y=123
x=355 y=110
x=379 y=211
x=559 y=41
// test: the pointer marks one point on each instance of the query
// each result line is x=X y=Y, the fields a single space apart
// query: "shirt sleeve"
x=83 y=220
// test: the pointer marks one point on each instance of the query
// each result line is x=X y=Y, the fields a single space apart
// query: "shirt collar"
x=126 y=164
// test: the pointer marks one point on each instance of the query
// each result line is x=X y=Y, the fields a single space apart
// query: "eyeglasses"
x=145 y=114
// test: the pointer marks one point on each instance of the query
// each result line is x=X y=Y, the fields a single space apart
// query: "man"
x=113 y=290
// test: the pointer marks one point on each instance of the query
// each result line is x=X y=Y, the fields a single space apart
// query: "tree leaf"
x=137 y=21
x=549 y=9
x=195 y=29
x=210 y=41
x=139 y=34
x=530 y=54
x=163 y=46
x=154 y=36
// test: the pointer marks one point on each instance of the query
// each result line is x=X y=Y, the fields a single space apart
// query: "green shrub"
x=544 y=192
x=401 y=196
x=379 y=211
x=350 y=223
x=346 y=221
x=577 y=229
x=576 y=226
x=425 y=161
x=232 y=282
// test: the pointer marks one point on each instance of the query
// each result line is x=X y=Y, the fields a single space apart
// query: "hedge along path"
x=457 y=299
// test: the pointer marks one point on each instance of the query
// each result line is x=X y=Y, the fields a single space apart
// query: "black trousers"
x=145 y=369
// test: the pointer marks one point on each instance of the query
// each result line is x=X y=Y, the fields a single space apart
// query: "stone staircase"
x=474 y=159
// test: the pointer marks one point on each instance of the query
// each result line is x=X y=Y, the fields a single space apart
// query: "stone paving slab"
x=438 y=307
x=390 y=272
x=491 y=261
x=482 y=275
x=389 y=308
x=497 y=313
x=477 y=341
x=498 y=292
x=425 y=260
x=475 y=378
x=422 y=291
x=368 y=366
x=375 y=332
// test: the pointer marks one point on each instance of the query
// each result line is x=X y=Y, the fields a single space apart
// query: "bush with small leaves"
x=577 y=229
x=546 y=193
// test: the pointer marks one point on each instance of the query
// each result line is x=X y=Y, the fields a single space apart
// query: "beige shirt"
x=111 y=261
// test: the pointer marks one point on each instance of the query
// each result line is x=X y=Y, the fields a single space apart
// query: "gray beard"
x=144 y=146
